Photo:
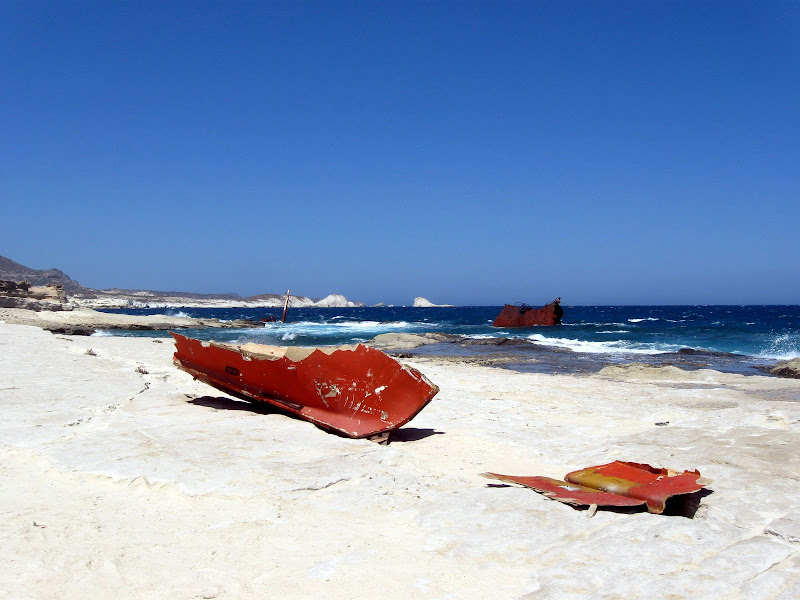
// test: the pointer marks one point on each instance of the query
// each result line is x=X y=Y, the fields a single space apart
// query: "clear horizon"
x=472 y=153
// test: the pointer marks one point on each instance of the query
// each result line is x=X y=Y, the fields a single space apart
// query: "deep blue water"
x=765 y=333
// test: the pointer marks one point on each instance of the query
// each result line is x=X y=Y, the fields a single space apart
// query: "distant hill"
x=13 y=271
x=160 y=294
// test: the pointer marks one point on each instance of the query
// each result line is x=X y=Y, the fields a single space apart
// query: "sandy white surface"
x=87 y=317
x=120 y=477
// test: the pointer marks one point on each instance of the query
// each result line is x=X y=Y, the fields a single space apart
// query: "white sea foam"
x=357 y=325
x=178 y=313
x=784 y=346
x=644 y=319
x=314 y=332
x=376 y=324
x=102 y=333
x=592 y=324
x=610 y=347
x=615 y=331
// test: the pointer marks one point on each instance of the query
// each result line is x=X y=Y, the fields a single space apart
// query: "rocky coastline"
x=152 y=299
x=86 y=321
x=37 y=289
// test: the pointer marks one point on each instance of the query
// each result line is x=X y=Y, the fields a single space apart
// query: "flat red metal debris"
x=615 y=484
x=356 y=391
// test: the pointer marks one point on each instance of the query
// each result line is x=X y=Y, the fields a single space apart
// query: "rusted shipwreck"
x=522 y=315
x=356 y=391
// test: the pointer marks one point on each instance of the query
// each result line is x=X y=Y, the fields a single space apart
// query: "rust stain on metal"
x=354 y=390
x=615 y=484
x=528 y=316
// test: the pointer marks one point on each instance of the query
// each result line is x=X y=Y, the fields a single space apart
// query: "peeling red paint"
x=615 y=484
x=356 y=391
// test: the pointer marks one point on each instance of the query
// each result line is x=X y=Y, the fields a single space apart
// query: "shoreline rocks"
x=21 y=294
x=85 y=321
x=408 y=341
x=786 y=368
x=149 y=299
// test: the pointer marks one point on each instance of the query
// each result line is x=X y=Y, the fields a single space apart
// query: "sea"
x=740 y=339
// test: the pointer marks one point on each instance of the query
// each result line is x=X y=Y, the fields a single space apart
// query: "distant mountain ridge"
x=14 y=271
x=81 y=295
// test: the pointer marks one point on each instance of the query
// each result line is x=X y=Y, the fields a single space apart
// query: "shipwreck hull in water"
x=355 y=390
x=527 y=316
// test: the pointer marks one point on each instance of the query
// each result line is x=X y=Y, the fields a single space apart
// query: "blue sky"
x=468 y=152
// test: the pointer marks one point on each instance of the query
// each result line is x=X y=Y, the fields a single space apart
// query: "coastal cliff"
x=82 y=296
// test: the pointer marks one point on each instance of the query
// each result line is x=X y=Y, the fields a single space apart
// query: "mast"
x=285 y=306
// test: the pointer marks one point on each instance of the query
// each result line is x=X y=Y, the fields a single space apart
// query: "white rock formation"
x=151 y=300
x=336 y=301
x=420 y=302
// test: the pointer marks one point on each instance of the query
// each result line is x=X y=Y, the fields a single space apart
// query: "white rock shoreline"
x=144 y=299
x=122 y=477
x=84 y=321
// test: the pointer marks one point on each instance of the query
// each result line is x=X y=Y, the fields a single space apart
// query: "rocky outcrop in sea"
x=420 y=302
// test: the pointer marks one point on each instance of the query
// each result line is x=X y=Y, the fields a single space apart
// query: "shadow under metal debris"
x=412 y=434
x=406 y=434
x=685 y=505
x=682 y=505
x=220 y=403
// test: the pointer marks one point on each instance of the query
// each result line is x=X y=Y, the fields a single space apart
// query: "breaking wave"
x=594 y=324
x=342 y=327
x=761 y=332
x=784 y=346
x=333 y=332
x=609 y=347
x=177 y=313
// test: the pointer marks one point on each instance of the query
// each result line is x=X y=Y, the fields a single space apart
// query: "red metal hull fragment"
x=527 y=316
x=615 y=484
x=356 y=391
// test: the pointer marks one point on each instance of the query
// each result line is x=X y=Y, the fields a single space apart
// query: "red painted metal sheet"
x=569 y=493
x=356 y=391
x=614 y=484
x=527 y=316
x=635 y=480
